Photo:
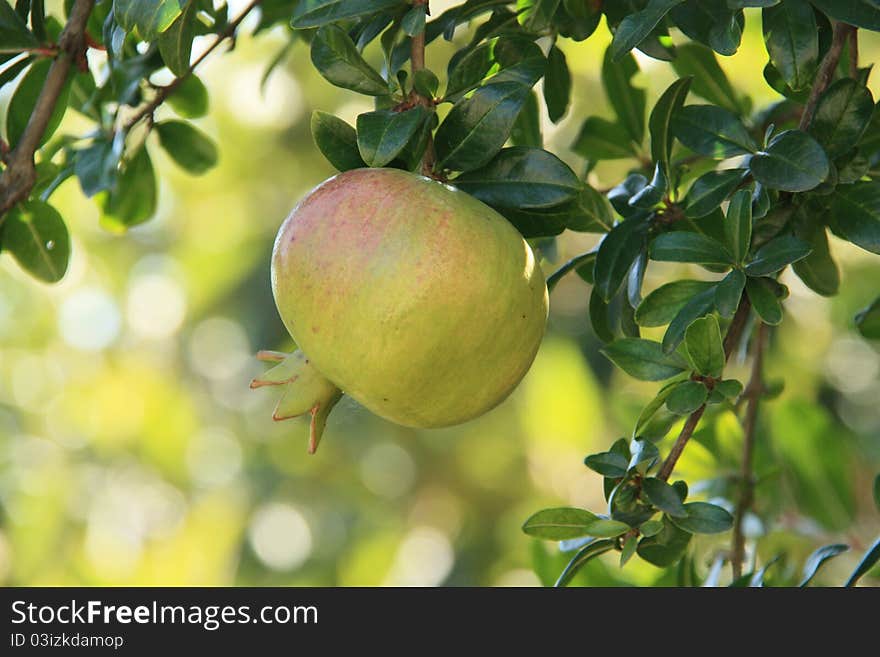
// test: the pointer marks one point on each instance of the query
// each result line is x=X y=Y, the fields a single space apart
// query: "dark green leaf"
x=710 y=190
x=426 y=83
x=584 y=260
x=663 y=496
x=684 y=246
x=793 y=162
x=14 y=33
x=590 y=212
x=526 y=130
x=522 y=177
x=557 y=85
x=709 y=81
x=792 y=40
x=728 y=292
x=868 y=323
x=712 y=131
x=643 y=359
x=855 y=210
x=652 y=407
x=608 y=464
x=35 y=234
x=336 y=140
x=777 y=254
x=629 y=549
x=95 y=166
x=651 y=528
x=842 y=116
x=175 y=43
x=702 y=339
x=567 y=522
x=764 y=301
x=149 y=18
x=738 y=225
x=661 y=305
x=314 y=13
x=872 y=556
x=861 y=13
x=635 y=27
x=600 y=139
x=877 y=492
x=652 y=193
x=665 y=547
x=628 y=101
x=24 y=98
x=477 y=127
x=336 y=57
x=190 y=148
x=701 y=304
x=591 y=551
x=133 y=199
x=536 y=15
x=616 y=254
x=413 y=22
x=383 y=134
x=686 y=397
x=190 y=98
x=704 y=518
x=599 y=319
x=669 y=103
x=818 y=558
x=644 y=453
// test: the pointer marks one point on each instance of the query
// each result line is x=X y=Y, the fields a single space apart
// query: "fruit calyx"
x=306 y=390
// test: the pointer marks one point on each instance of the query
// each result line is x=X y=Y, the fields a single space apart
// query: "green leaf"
x=24 y=99
x=662 y=495
x=855 y=210
x=14 y=33
x=704 y=518
x=336 y=57
x=175 y=43
x=643 y=359
x=536 y=15
x=738 y=226
x=190 y=98
x=383 y=134
x=666 y=547
x=868 y=323
x=314 y=13
x=684 y=246
x=567 y=522
x=95 y=166
x=190 y=148
x=599 y=320
x=701 y=304
x=426 y=83
x=872 y=556
x=877 y=492
x=591 y=551
x=686 y=397
x=793 y=162
x=777 y=254
x=702 y=339
x=526 y=129
x=618 y=250
x=764 y=300
x=652 y=193
x=651 y=528
x=600 y=139
x=150 y=19
x=35 y=234
x=590 y=212
x=133 y=199
x=557 y=85
x=861 y=13
x=728 y=292
x=669 y=103
x=709 y=81
x=635 y=27
x=729 y=388
x=652 y=407
x=413 y=22
x=842 y=116
x=792 y=40
x=661 y=305
x=628 y=101
x=608 y=464
x=711 y=131
x=710 y=190
x=477 y=127
x=818 y=558
x=522 y=177
x=336 y=140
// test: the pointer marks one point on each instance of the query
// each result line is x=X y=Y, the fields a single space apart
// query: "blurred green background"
x=133 y=452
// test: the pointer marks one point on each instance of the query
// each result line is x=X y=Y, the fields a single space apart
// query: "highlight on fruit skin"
x=414 y=298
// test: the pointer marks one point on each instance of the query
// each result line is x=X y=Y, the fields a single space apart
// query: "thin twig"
x=854 y=53
x=162 y=94
x=20 y=175
x=417 y=59
x=825 y=72
x=752 y=395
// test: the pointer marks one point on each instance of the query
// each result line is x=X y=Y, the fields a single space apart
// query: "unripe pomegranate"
x=416 y=299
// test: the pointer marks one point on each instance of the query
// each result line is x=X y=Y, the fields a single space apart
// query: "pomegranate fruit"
x=416 y=299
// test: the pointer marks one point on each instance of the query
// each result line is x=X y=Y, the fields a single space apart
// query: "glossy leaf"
x=149 y=18
x=95 y=166
x=842 y=116
x=557 y=85
x=383 y=134
x=600 y=139
x=190 y=98
x=643 y=359
x=793 y=162
x=616 y=254
x=663 y=496
x=413 y=22
x=591 y=551
x=702 y=340
x=764 y=300
x=608 y=464
x=710 y=190
x=728 y=292
x=175 y=43
x=336 y=57
x=685 y=246
x=314 y=13
x=868 y=323
x=697 y=307
x=712 y=131
x=871 y=558
x=526 y=130
x=661 y=305
x=133 y=199
x=190 y=148
x=818 y=558
x=818 y=270
x=336 y=140
x=669 y=103
x=635 y=27
x=738 y=225
x=861 y=13
x=855 y=210
x=708 y=79
x=35 y=234
x=792 y=40
x=567 y=522
x=704 y=518
x=24 y=99
x=686 y=397
x=666 y=547
x=14 y=32
x=628 y=101
x=776 y=254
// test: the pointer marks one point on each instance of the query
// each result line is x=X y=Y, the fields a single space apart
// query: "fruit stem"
x=417 y=60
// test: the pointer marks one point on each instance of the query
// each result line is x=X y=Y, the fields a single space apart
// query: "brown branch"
x=20 y=175
x=417 y=59
x=854 y=53
x=731 y=339
x=825 y=72
x=163 y=92
x=752 y=395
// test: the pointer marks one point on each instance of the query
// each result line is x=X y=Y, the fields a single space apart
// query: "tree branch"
x=162 y=94
x=752 y=394
x=417 y=59
x=854 y=53
x=731 y=339
x=826 y=71
x=20 y=175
